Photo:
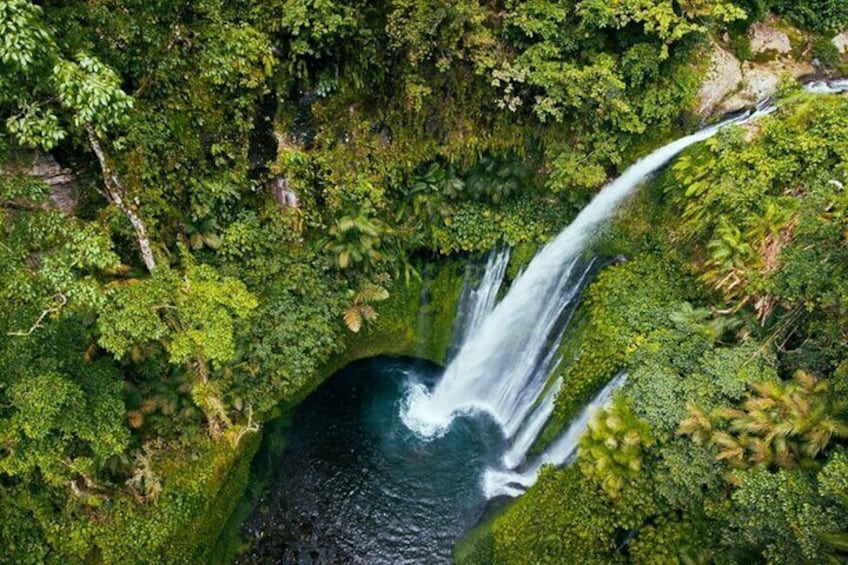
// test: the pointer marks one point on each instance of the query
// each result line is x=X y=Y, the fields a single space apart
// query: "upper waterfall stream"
x=502 y=365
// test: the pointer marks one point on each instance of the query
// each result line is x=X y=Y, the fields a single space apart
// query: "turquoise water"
x=355 y=485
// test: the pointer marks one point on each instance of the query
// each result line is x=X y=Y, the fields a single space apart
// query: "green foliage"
x=834 y=488
x=361 y=309
x=561 y=520
x=611 y=450
x=315 y=28
x=25 y=39
x=89 y=91
x=742 y=200
x=677 y=363
x=779 y=425
x=778 y=515
x=617 y=314
x=61 y=427
x=441 y=33
x=827 y=53
x=672 y=540
x=827 y=16
x=659 y=18
x=356 y=239
x=51 y=264
x=191 y=314
x=92 y=91
x=240 y=57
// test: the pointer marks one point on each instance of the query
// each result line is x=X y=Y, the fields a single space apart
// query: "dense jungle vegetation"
x=261 y=185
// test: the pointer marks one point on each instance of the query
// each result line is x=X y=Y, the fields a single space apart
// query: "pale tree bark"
x=117 y=195
x=212 y=406
x=61 y=298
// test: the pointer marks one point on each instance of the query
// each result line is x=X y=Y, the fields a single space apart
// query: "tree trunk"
x=117 y=194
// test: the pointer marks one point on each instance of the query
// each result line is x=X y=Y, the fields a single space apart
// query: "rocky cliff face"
x=60 y=179
x=774 y=53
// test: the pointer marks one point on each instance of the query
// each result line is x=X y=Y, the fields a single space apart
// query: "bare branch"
x=250 y=427
x=53 y=310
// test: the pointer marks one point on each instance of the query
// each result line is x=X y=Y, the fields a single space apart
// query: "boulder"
x=765 y=38
x=760 y=80
x=841 y=42
x=60 y=179
x=722 y=79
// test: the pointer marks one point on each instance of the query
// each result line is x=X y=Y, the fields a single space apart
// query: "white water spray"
x=827 y=86
x=532 y=428
x=481 y=300
x=513 y=483
x=506 y=351
x=502 y=366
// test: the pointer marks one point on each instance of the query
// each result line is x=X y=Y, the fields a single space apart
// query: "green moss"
x=478 y=545
x=520 y=257
x=559 y=521
x=415 y=321
x=199 y=493
x=274 y=442
x=193 y=541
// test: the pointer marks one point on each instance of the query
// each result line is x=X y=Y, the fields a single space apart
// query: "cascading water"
x=499 y=368
x=827 y=86
x=506 y=352
x=477 y=302
x=527 y=352
x=532 y=428
x=512 y=483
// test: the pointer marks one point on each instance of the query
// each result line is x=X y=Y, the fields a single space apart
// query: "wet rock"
x=619 y=260
x=60 y=179
x=284 y=194
x=723 y=78
x=761 y=80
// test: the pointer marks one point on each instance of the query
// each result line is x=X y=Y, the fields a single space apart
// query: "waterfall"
x=535 y=422
x=519 y=342
x=476 y=302
x=506 y=350
x=511 y=483
x=502 y=365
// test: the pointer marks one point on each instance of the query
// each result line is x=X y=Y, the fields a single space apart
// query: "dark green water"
x=356 y=486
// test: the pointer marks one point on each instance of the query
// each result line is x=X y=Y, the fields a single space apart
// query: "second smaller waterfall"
x=498 y=482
